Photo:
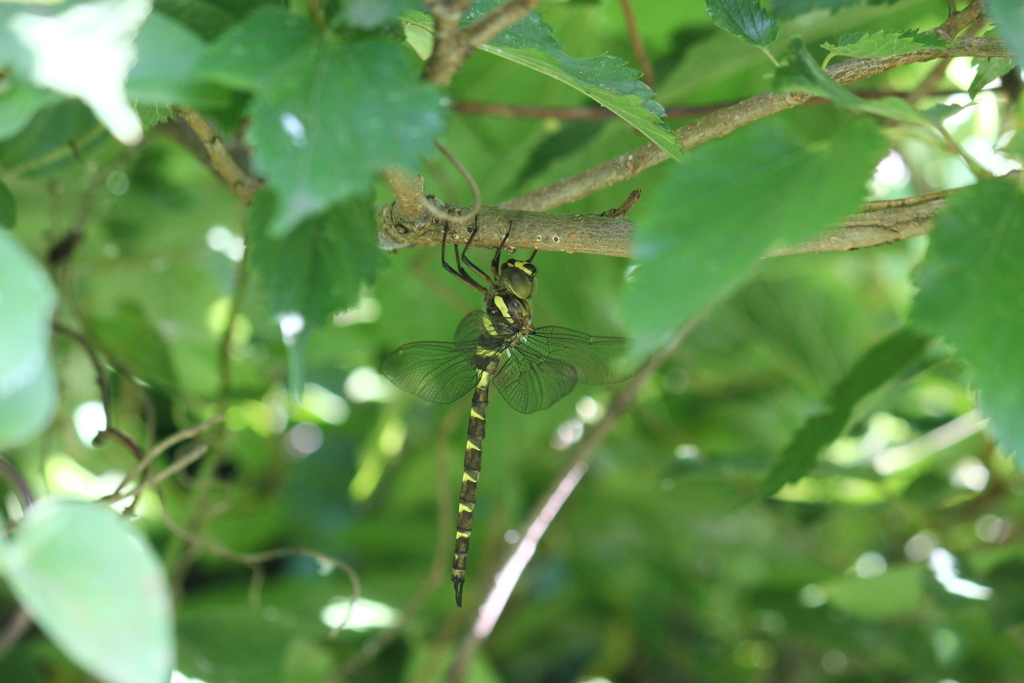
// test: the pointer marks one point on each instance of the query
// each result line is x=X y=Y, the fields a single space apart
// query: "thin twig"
x=10 y=472
x=15 y=629
x=177 y=466
x=622 y=210
x=642 y=60
x=452 y=45
x=588 y=113
x=525 y=111
x=18 y=623
x=97 y=364
x=120 y=435
x=407 y=209
x=497 y=20
x=65 y=247
x=179 y=556
x=255 y=560
x=878 y=223
x=160 y=448
x=447 y=55
x=927 y=85
x=221 y=161
x=551 y=503
x=441 y=214
x=186 y=434
x=952 y=145
x=101 y=380
x=724 y=121
x=585 y=234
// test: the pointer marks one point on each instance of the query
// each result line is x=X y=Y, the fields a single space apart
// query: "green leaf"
x=989 y=69
x=346 y=112
x=531 y=32
x=787 y=9
x=878 y=365
x=208 y=18
x=937 y=113
x=19 y=104
x=28 y=387
x=316 y=270
x=246 y=55
x=886 y=43
x=327 y=115
x=37 y=149
x=1015 y=147
x=27 y=300
x=18 y=666
x=93 y=584
x=571 y=137
x=1008 y=16
x=745 y=19
x=165 y=72
x=604 y=79
x=130 y=337
x=245 y=646
x=153 y=114
x=8 y=207
x=972 y=294
x=306 y=661
x=27 y=411
x=368 y=14
x=897 y=593
x=313 y=272
x=718 y=212
x=84 y=50
x=802 y=73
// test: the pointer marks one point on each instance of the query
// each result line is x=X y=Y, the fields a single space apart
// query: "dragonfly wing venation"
x=434 y=371
x=529 y=381
x=481 y=338
x=582 y=357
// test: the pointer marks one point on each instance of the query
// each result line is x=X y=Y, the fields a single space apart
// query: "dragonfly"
x=532 y=367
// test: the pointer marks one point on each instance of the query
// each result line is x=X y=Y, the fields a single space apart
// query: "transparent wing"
x=434 y=371
x=529 y=381
x=480 y=337
x=581 y=357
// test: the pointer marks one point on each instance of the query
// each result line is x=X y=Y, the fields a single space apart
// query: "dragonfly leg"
x=465 y=258
x=497 y=252
x=461 y=272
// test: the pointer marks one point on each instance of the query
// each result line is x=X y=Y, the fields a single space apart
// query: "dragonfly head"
x=519 y=277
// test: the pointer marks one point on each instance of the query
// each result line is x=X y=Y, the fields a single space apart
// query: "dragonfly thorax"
x=513 y=309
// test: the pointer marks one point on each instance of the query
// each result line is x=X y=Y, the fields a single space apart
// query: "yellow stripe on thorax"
x=499 y=301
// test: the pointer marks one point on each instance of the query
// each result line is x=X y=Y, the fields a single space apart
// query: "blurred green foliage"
x=895 y=551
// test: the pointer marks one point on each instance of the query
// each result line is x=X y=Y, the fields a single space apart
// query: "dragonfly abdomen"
x=470 y=479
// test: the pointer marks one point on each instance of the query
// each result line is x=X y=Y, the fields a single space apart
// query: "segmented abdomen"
x=470 y=478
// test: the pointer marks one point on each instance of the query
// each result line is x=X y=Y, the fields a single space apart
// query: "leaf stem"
x=637 y=43
x=219 y=158
x=977 y=169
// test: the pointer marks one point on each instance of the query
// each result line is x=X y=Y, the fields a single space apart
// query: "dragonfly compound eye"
x=519 y=280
